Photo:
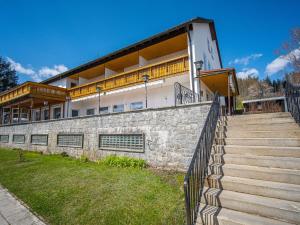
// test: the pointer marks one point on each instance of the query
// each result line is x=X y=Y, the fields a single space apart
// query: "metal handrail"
x=292 y=94
x=184 y=95
x=197 y=171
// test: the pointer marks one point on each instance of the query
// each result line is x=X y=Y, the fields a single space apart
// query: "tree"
x=291 y=49
x=8 y=77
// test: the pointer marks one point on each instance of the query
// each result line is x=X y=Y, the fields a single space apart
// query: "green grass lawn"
x=66 y=191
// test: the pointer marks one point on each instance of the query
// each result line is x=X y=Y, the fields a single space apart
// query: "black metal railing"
x=292 y=94
x=198 y=169
x=184 y=95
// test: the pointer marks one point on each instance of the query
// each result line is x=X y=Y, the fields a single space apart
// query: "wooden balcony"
x=33 y=90
x=155 y=71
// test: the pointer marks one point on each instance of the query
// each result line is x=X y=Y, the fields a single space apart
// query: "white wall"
x=203 y=48
x=159 y=95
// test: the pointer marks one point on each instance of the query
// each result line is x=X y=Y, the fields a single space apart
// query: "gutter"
x=191 y=58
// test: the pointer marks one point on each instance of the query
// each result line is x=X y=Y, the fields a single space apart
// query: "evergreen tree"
x=8 y=77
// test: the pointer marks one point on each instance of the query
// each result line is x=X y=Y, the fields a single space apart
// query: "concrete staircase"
x=254 y=173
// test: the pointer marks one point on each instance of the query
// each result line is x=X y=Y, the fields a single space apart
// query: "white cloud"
x=43 y=73
x=19 y=68
x=246 y=72
x=281 y=62
x=246 y=60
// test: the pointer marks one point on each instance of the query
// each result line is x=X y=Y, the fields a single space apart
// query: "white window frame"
x=135 y=103
x=118 y=105
x=86 y=112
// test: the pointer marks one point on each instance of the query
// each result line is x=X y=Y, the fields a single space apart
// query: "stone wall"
x=170 y=133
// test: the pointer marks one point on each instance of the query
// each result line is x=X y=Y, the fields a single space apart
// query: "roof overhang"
x=170 y=33
x=220 y=80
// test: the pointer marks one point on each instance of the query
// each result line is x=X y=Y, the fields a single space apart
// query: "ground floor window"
x=19 y=138
x=122 y=142
x=75 y=113
x=45 y=114
x=118 y=108
x=136 y=105
x=90 y=112
x=70 y=140
x=39 y=139
x=103 y=110
x=36 y=115
x=57 y=112
x=4 y=138
x=6 y=115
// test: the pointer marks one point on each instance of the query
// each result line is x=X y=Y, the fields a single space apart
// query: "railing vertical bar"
x=198 y=168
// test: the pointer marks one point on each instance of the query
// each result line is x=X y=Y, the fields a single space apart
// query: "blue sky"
x=42 y=38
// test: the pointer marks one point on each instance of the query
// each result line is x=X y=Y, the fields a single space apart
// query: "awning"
x=220 y=80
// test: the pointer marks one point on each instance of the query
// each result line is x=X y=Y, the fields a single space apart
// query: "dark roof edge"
x=172 y=32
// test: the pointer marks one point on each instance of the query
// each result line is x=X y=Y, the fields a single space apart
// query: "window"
x=19 y=138
x=24 y=115
x=6 y=115
x=45 y=114
x=122 y=142
x=37 y=115
x=136 y=105
x=75 y=113
x=103 y=110
x=90 y=112
x=39 y=139
x=15 y=115
x=57 y=113
x=4 y=138
x=73 y=84
x=70 y=140
x=118 y=108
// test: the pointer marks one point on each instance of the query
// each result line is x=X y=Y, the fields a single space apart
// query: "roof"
x=264 y=99
x=216 y=80
x=172 y=32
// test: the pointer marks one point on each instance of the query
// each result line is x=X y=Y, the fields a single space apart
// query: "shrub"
x=20 y=154
x=83 y=158
x=64 y=154
x=124 y=161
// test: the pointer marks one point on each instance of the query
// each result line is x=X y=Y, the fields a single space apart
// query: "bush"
x=20 y=154
x=83 y=158
x=64 y=154
x=124 y=161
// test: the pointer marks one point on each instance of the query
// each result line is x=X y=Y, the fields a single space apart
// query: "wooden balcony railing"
x=155 y=71
x=35 y=90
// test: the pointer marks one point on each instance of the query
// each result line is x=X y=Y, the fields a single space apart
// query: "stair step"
x=261 y=121
x=262 y=134
x=263 y=161
x=264 y=127
x=269 y=189
x=290 y=142
x=212 y=215
x=254 y=172
x=258 y=150
x=259 y=116
x=284 y=210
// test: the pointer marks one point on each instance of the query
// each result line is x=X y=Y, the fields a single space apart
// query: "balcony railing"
x=155 y=71
x=35 y=90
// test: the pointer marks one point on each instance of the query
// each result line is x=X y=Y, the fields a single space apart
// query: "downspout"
x=191 y=61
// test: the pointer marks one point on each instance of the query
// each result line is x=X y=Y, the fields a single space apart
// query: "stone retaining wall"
x=170 y=134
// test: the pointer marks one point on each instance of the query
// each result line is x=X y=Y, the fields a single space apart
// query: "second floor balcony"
x=155 y=71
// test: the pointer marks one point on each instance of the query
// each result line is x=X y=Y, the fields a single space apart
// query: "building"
x=115 y=82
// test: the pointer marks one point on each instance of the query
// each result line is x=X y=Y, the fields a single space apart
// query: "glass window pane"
x=90 y=112
x=136 y=105
x=118 y=108
x=103 y=110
